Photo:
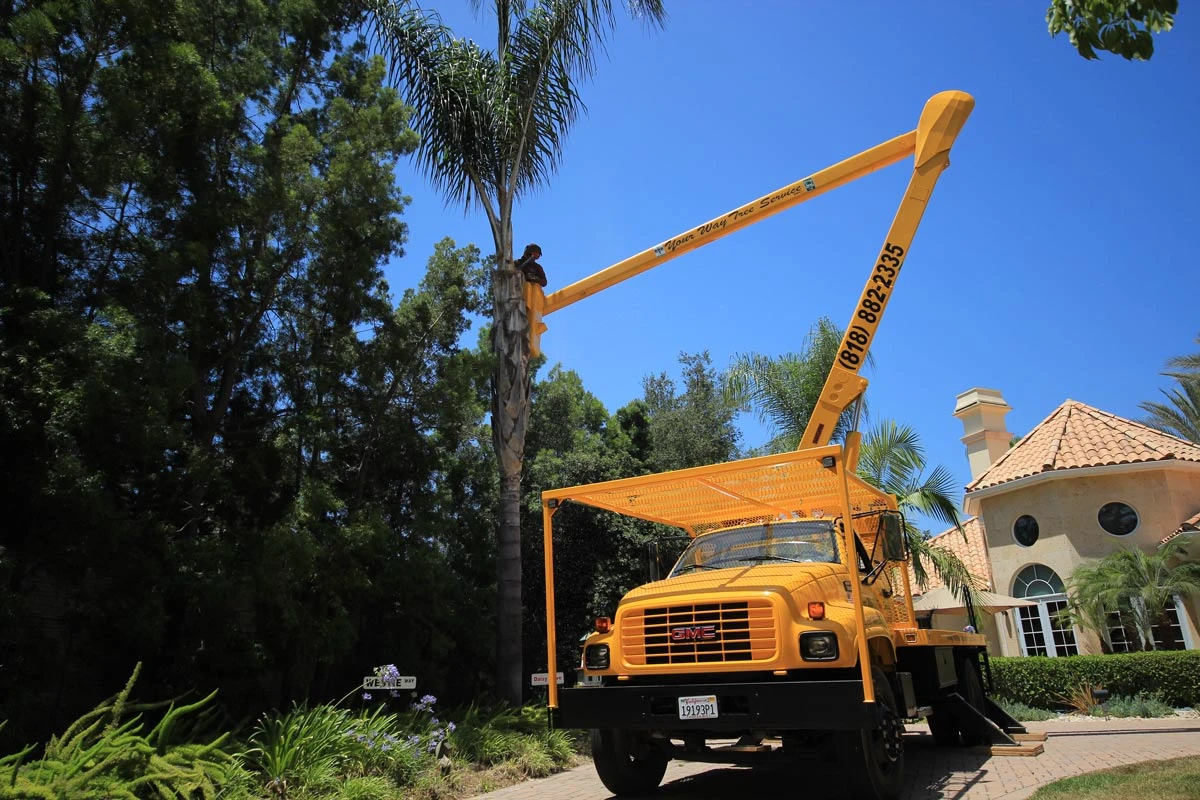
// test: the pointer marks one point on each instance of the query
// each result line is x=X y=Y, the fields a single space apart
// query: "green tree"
x=1180 y=414
x=493 y=124
x=215 y=395
x=892 y=460
x=784 y=390
x=1135 y=584
x=691 y=429
x=598 y=556
x=1122 y=27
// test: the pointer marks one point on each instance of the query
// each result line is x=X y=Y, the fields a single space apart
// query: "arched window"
x=1043 y=631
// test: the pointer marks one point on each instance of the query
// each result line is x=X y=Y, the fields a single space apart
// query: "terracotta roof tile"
x=972 y=550
x=1187 y=526
x=1077 y=435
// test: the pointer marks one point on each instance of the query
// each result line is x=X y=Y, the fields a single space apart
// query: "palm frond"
x=1185 y=367
x=784 y=390
x=451 y=85
x=551 y=52
x=934 y=497
x=1180 y=415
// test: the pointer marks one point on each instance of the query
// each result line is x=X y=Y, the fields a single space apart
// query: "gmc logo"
x=693 y=633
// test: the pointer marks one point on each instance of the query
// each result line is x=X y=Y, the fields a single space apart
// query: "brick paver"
x=934 y=773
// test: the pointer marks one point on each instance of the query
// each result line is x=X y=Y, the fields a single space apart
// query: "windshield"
x=799 y=542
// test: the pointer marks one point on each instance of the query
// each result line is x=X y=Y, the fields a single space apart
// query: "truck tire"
x=627 y=766
x=873 y=760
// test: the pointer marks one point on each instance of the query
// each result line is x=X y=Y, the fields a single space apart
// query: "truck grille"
x=703 y=633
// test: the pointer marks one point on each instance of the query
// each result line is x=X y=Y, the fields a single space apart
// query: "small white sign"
x=400 y=682
x=543 y=678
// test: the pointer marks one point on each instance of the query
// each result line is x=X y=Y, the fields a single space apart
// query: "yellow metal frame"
x=784 y=486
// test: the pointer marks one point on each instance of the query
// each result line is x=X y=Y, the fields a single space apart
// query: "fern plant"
x=102 y=755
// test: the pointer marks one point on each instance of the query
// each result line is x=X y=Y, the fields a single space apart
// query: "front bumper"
x=769 y=705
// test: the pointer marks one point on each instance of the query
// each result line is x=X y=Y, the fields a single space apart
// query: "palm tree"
x=1185 y=367
x=1180 y=415
x=492 y=126
x=784 y=390
x=1136 y=584
x=892 y=460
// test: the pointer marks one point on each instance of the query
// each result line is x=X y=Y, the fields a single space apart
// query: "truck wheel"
x=875 y=758
x=970 y=686
x=626 y=763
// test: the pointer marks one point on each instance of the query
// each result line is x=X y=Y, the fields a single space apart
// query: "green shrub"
x=518 y=738
x=1140 y=705
x=1171 y=676
x=1023 y=713
x=304 y=748
x=370 y=787
x=317 y=748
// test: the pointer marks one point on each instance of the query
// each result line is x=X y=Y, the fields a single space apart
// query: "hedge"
x=1172 y=676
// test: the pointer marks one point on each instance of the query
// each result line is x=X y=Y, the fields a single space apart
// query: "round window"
x=1119 y=519
x=1025 y=530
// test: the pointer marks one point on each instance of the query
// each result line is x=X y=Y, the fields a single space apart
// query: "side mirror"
x=891 y=532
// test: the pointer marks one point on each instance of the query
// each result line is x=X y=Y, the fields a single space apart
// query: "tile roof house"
x=1080 y=485
x=970 y=545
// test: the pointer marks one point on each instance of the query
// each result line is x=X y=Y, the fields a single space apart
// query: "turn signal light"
x=816 y=610
x=603 y=624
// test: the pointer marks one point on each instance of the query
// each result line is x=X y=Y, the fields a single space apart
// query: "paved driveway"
x=935 y=773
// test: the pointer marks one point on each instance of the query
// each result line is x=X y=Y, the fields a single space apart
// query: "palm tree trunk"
x=510 y=415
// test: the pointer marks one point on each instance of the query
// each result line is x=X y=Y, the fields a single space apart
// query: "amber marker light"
x=816 y=610
x=603 y=624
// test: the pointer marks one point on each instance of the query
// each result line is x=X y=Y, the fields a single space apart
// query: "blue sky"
x=1056 y=259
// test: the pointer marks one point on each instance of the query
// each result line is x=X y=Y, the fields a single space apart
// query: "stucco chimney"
x=982 y=413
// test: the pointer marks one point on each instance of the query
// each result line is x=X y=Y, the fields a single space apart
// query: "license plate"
x=701 y=707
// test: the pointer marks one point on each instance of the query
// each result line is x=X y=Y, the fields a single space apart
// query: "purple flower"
x=366 y=695
x=450 y=726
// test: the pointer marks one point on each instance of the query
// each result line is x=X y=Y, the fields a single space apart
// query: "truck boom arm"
x=941 y=120
x=793 y=194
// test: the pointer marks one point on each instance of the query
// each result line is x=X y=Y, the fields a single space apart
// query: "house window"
x=1122 y=635
x=1119 y=519
x=1025 y=530
x=1176 y=638
x=1125 y=637
x=1043 y=630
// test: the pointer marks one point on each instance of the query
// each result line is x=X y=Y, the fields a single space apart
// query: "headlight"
x=819 y=646
x=596 y=656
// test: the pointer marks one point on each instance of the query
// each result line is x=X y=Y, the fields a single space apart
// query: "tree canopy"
x=1122 y=27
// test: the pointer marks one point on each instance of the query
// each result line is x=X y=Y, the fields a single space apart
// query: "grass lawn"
x=1178 y=779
